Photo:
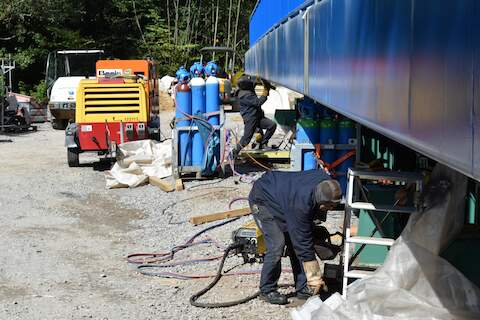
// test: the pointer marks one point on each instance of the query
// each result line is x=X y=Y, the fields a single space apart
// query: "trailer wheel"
x=73 y=157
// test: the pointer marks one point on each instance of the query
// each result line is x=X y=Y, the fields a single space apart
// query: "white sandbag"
x=414 y=282
x=138 y=160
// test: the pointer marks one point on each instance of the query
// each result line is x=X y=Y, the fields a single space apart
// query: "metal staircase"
x=355 y=192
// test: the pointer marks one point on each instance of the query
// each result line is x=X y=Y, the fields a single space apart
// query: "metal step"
x=370 y=240
x=378 y=207
x=387 y=175
x=359 y=274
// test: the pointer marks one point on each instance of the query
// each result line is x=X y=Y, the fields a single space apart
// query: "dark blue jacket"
x=250 y=104
x=289 y=196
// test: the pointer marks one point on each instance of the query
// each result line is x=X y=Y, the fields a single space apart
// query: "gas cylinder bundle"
x=318 y=125
x=195 y=99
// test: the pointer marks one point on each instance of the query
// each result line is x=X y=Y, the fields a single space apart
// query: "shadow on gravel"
x=102 y=165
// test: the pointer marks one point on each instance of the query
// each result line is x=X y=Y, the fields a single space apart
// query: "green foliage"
x=22 y=87
x=172 y=34
x=39 y=92
x=2 y=86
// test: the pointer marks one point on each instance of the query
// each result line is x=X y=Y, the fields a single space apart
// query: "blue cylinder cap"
x=197 y=70
x=211 y=69
x=182 y=75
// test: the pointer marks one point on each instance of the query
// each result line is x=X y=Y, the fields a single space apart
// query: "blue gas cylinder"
x=328 y=135
x=183 y=107
x=309 y=160
x=213 y=99
x=346 y=131
x=308 y=131
x=198 y=109
x=212 y=92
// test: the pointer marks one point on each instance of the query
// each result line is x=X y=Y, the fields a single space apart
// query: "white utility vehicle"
x=64 y=71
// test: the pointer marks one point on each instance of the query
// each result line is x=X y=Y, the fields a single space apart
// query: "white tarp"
x=165 y=83
x=414 y=282
x=138 y=160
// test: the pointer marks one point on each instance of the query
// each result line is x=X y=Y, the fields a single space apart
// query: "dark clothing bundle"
x=289 y=197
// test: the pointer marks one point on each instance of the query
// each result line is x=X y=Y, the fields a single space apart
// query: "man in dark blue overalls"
x=252 y=113
x=284 y=205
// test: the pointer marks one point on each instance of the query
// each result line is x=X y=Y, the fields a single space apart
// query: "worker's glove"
x=314 y=276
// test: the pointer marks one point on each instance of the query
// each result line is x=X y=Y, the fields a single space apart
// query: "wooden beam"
x=162 y=184
x=220 y=216
x=179 y=185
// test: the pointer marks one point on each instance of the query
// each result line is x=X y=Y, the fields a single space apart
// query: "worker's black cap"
x=245 y=83
x=328 y=191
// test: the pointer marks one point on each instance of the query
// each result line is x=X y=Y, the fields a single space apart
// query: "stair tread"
x=359 y=274
x=371 y=240
x=379 y=207
x=387 y=175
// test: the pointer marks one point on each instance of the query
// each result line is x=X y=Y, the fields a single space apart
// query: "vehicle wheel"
x=73 y=157
x=59 y=124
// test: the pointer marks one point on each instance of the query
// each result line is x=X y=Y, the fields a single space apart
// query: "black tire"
x=59 y=124
x=73 y=157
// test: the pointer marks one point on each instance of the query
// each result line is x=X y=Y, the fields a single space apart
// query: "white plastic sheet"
x=138 y=160
x=414 y=282
x=165 y=83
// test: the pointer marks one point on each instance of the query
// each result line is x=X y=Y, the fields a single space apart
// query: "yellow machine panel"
x=261 y=248
x=111 y=102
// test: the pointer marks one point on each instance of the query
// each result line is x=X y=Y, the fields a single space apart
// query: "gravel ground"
x=64 y=240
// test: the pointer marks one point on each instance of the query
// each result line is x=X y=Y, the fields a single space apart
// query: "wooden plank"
x=179 y=185
x=162 y=184
x=220 y=216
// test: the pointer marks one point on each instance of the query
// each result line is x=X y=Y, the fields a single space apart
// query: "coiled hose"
x=194 y=298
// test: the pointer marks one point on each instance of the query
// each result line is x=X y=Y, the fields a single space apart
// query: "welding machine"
x=253 y=247
x=253 y=243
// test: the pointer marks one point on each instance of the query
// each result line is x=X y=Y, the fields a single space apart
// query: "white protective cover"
x=165 y=83
x=138 y=160
x=414 y=282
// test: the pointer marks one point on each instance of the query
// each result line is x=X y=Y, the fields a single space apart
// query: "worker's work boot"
x=304 y=294
x=274 y=297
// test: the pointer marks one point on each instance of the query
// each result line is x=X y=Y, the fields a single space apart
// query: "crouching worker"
x=284 y=205
x=252 y=114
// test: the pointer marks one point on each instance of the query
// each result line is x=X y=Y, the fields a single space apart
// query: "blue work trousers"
x=275 y=241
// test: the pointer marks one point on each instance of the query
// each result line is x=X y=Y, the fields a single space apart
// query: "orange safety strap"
x=328 y=167
x=337 y=162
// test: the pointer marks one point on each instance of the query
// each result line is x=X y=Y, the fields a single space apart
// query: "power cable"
x=194 y=297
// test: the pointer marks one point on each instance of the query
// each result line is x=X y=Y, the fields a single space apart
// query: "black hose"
x=193 y=298
x=210 y=228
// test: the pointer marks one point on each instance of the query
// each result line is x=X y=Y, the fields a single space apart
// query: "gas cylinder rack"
x=198 y=151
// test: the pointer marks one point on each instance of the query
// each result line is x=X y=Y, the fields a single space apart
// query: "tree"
x=171 y=31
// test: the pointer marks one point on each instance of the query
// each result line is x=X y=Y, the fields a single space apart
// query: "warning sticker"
x=87 y=128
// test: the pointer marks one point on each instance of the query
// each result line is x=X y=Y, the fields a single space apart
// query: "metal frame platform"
x=177 y=170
